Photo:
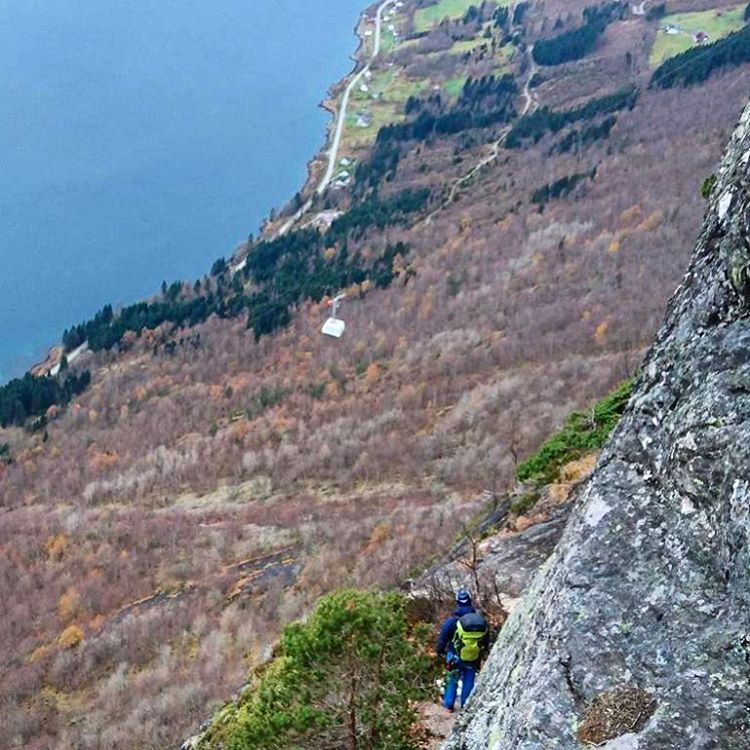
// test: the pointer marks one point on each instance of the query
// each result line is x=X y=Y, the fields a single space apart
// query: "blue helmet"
x=463 y=598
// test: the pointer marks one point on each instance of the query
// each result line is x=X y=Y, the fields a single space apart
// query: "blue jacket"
x=449 y=628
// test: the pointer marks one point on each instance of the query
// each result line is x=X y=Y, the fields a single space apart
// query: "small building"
x=701 y=38
x=324 y=219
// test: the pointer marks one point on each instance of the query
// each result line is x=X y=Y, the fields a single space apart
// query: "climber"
x=462 y=642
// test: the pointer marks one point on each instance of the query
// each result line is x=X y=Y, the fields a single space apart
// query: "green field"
x=388 y=87
x=453 y=86
x=715 y=23
x=466 y=45
x=387 y=41
x=427 y=18
x=383 y=102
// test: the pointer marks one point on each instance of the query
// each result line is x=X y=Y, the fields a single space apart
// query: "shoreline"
x=48 y=364
x=335 y=90
x=268 y=227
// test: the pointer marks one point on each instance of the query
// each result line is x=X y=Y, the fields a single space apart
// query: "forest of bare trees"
x=136 y=532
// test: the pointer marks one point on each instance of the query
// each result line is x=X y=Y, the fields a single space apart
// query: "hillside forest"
x=523 y=187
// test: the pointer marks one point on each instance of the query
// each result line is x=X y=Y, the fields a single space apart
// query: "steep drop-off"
x=159 y=528
x=634 y=634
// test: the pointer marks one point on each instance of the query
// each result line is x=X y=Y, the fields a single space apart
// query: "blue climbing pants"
x=464 y=671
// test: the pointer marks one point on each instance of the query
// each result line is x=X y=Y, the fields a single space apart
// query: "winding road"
x=530 y=105
x=333 y=151
x=533 y=67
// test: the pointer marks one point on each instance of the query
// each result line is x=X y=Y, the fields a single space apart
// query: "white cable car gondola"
x=335 y=326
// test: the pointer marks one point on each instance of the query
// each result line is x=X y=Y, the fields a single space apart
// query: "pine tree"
x=346 y=678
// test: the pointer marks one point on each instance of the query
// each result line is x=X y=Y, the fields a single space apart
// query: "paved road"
x=333 y=151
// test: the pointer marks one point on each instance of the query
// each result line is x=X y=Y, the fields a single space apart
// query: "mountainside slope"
x=634 y=635
x=158 y=528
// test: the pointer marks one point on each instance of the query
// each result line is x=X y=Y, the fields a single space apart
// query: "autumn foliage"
x=207 y=487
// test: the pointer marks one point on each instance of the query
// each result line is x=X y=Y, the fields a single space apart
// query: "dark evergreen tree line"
x=295 y=267
x=483 y=102
x=381 y=165
x=286 y=271
x=378 y=213
x=656 y=12
x=299 y=271
x=581 y=138
x=29 y=397
x=533 y=126
x=519 y=13
x=473 y=13
x=501 y=17
x=560 y=188
x=106 y=330
x=698 y=63
x=577 y=43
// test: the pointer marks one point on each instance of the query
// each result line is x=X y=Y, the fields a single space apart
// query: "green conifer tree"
x=346 y=678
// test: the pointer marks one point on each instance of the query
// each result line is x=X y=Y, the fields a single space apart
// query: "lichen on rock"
x=654 y=592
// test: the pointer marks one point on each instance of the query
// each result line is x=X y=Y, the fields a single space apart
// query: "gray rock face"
x=649 y=587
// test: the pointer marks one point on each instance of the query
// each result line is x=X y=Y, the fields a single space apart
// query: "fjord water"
x=142 y=139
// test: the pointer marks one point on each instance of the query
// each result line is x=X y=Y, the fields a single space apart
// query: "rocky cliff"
x=634 y=635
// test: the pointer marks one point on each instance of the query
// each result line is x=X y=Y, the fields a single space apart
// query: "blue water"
x=140 y=140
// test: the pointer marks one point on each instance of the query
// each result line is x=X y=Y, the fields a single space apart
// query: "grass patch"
x=454 y=86
x=387 y=40
x=398 y=88
x=427 y=18
x=524 y=503
x=431 y=16
x=466 y=45
x=716 y=23
x=382 y=103
x=614 y=713
x=582 y=433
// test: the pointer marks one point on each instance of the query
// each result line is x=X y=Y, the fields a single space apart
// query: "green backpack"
x=470 y=630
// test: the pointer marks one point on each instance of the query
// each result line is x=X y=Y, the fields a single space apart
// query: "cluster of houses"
x=344 y=177
x=389 y=19
x=699 y=37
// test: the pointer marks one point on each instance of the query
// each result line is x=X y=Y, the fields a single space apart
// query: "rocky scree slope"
x=634 y=635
